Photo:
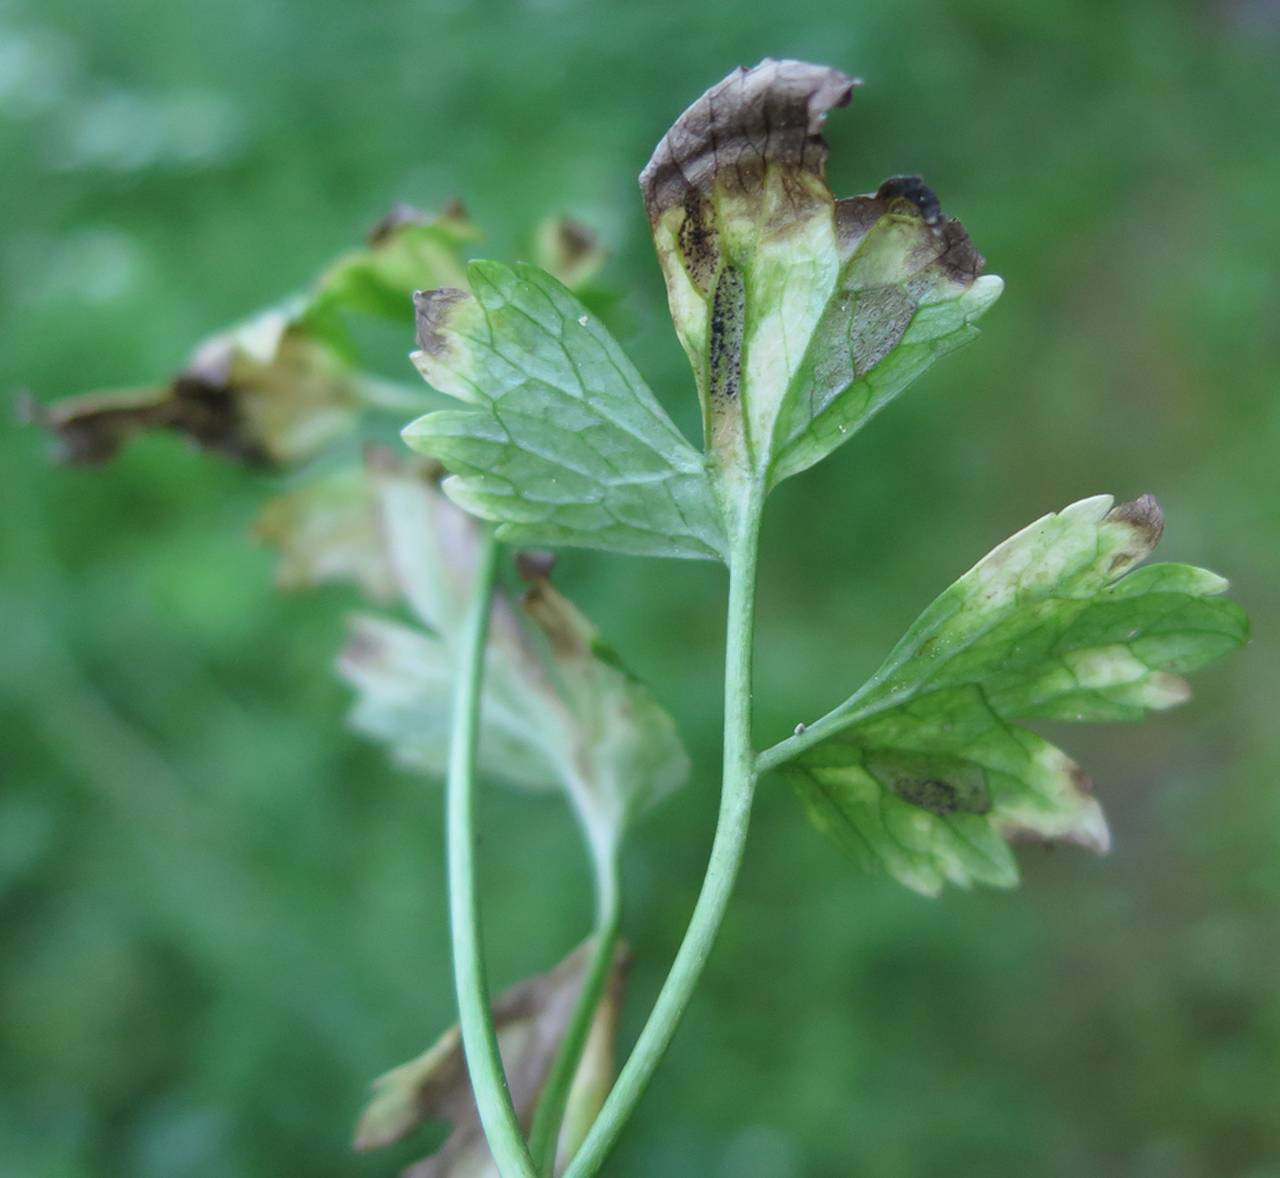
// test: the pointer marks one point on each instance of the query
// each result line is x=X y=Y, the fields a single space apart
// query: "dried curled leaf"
x=923 y=772
x=560 y=440
x=283 y=386
x=802 y=315
x=531 y=1019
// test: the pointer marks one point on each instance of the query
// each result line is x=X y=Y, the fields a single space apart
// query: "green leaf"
x=928 y=792
x=559 y=711
x=801 y=315
x=923 y=768
x=560 y=442
x=531 y=1018
x=404 y=251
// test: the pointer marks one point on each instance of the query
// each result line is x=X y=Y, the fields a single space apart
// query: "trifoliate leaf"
x=560 y=442
x=923 y=766
x=531 y=1019
x=801 y=315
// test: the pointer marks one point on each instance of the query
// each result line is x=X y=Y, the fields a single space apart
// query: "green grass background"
x=223 y=914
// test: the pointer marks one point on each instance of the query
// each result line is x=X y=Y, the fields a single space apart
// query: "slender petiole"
x=544 y=1136
x=479 y=1037
x=737 y=793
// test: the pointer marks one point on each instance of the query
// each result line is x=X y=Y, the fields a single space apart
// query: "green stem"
x=544 y=1136
x=479 y=1038
x=737 y=792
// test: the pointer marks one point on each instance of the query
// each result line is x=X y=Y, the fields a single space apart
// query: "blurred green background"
x=223 y=914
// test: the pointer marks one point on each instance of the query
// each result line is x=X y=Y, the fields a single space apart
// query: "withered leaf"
x=286 y=384
x=559 y=711
x=531 y=1019
x=802 y=316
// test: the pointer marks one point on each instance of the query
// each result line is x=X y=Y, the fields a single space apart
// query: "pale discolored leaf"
x=618 y=749
x=403 y=678
x=327 y=530
x=801 y=315
x=558 y=708
x=531 y=1019
x=923 y=766
x=560 y=441
x=568 y=250
x=265 y=393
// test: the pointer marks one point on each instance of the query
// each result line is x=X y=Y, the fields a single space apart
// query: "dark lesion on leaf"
x=431 y=308
x=699 y=242
x=534 y=565
x=575 y=240
x=947 y=246
x=942 y=797
x=399 y=215
x=724 y=347
x=914 y=189
x=402 y=214
x=1080 y=779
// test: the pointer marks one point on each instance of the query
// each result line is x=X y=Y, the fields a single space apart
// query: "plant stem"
x=479 y=1038
x=737 y=791
x=544 y=1136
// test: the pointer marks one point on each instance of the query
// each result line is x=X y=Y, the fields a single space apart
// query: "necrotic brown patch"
x=698 y=241
x=724 y=351
x=432 y=309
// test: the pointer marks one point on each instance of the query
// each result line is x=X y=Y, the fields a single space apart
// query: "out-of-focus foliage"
x=531 y=1018
x=222 y=910
x=558 y=710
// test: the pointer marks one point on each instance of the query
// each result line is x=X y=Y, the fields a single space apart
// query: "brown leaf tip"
x=1142 y=513
x=534 y=565
x=575 y=239
x=771 y=114
x=432 y=309
x=400 y=214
